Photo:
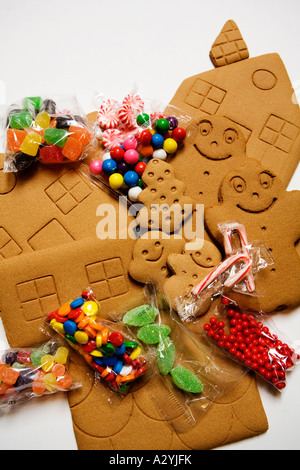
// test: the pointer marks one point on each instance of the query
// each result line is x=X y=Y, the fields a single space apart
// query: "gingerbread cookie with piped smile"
x=255 y=197
x=215 y=147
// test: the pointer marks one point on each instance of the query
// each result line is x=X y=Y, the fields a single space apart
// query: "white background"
x=112 y=47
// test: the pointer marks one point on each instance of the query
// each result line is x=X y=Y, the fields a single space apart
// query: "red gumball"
x=178 y=134
x=140 y=168
x=117 y=153
x=145 y=137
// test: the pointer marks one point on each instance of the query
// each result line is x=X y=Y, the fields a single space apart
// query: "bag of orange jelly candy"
x=27 y=373
x=51 y=131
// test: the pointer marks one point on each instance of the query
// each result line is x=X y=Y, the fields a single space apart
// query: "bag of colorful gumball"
x=252 y=339
x=27 y=373
x=133 y=131
x=235 y=274
x=47 y=130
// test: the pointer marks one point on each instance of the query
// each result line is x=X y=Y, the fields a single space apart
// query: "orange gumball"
x=146 y=151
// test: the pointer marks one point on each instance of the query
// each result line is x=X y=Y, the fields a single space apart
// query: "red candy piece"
x=51 y=154
x=23 y=357
x=178 y=134
x=116 y=338
x=145 y=137
x=75 y=313
x=140 y=168
x=117 y=153
x=90 y=346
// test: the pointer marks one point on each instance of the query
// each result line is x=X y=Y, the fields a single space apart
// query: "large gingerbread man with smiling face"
x=256 y=198
x=215 y=146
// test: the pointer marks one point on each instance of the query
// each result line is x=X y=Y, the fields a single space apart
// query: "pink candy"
x=96 y=167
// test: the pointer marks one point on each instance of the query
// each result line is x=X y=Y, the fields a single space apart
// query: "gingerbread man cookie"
x=216 y=147
x=165 y=205
x=150 y=254
x=189 y=267
x=255 y=197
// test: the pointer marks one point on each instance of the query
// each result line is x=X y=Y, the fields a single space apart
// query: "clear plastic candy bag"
x=27 y=373
x=252 y=339
x=50 y=131
x=113 y=352
x=193 y=374
x=237 y=272
x=133 y=132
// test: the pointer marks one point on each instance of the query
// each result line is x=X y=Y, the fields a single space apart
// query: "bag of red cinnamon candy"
x=236 y=273
x=252 y=339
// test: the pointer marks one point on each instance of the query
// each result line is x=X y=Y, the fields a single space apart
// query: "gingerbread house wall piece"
x=257 y=95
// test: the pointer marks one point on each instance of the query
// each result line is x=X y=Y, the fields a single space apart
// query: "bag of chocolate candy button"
x=47 y=130
x=108 y=347
x=27 y=373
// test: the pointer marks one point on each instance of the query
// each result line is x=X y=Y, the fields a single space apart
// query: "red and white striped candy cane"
x=240 y=229
x=221 y=268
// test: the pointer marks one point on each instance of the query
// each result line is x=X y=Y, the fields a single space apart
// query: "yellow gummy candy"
x=31 y=143
x=61 y=355
x=50 y=382
x=42 y=120
x=47 y=362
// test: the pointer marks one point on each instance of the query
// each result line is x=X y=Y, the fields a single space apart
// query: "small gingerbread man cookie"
x=255 y=197
x=190 y=267
x=165 y=205
x=150 y=254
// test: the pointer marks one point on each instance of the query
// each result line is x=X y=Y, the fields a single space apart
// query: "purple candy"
x=9 y=358
x=173 y=122
x=123 y=167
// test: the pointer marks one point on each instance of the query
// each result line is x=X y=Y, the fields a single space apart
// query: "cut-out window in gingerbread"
x=37 y=297
x=8 y=246
x=279 y=133
x=68 y=191
x=107 y=278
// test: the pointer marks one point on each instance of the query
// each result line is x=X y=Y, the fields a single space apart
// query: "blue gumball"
x=109 y=166
x=131 y=178
x=157 y=141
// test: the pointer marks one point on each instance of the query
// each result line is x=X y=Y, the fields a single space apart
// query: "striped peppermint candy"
x=108 y=117
x=112 y=137
x=131 y=107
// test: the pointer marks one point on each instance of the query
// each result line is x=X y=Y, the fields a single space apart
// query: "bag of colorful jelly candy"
x=27 y=373
x=114 y=354
x=133 y=132
x=190 y=373
x=50 y=131
x=236 y=273
x=253 y=340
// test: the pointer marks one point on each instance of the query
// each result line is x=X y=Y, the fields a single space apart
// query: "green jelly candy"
x=20 y=120
x=56 y=136
x=36 y=357
x=140 y=316
x=107 y=349
x=165 y=356
x=153 y=334
x=33 y=102
x=186 y=380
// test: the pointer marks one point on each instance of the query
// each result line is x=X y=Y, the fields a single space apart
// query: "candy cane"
x=240 y=229
x=221 y=268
